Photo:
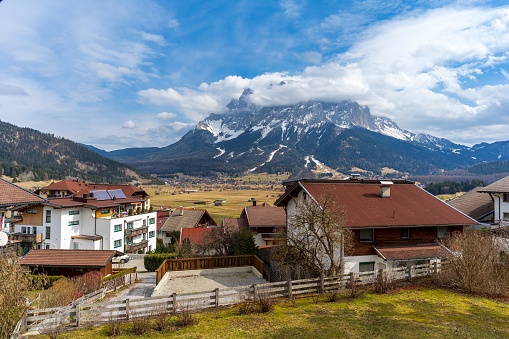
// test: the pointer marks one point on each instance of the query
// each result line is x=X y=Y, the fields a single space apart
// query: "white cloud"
x=166 y=116
x=290 y=8
x=504 y=73
x=155 y=38
x=312 y=57
x=129 y=124
x=173 y=23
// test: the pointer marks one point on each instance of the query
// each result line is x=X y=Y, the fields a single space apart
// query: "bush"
x=61 y=293
x=88 y=282
x=384 y=282
x=46 y=281
x=478 y=265
x=153 y=260
x=185 y=318
x=265 y=301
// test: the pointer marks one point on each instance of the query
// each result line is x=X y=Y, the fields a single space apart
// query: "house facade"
x=92 y=219
x=499 y=194
x=394 y=223
x=182 y=218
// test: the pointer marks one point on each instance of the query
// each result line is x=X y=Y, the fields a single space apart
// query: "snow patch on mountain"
x=221 y=152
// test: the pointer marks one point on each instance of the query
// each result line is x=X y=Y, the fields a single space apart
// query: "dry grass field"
x=235 y=200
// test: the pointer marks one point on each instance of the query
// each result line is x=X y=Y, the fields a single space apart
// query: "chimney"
x=385 y=189
x=181 y=210
x=254 y=202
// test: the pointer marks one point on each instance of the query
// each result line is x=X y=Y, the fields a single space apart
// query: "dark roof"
x=190 y=218
x=265 y=215
x=79 y=187
x=72 y=258
x=87 y=237
x=408 y=204
x=235 y=223
x=414 y=252
x=500 y=186
x=13 y=195
x=474 y=204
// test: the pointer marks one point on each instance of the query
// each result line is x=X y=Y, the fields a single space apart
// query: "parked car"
x=120 y=259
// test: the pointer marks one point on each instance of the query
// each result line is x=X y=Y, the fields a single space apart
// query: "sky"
x=128 y=73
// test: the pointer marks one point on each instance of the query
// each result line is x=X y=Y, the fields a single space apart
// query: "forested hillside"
x=27 y=154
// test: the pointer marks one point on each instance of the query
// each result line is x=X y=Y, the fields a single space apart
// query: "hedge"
x=45 y=281
x=153 y=260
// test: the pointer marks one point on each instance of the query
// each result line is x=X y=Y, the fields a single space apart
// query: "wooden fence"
x=208 y=263
x=85 y=313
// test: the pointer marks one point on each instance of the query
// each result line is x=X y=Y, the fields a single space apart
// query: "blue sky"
x=127 y=73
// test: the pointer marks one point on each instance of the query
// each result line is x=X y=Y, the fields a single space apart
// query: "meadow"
x=413 y=311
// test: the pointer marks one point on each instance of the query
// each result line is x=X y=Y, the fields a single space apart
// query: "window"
x=47 y=246
x=34 y=230
x=31 y=211
x=48 y=232
x=74 y=212
x=442 y=232
x=118 y=228
x=144 y=236
x=144 y=222
x=129 y=225
x=76 y=246
x=366 y=266
x=152 y=221
x=105 y=212
x=74 y=222
x=366 y=235
x=48 y=215
x=151 y=234
x=405 y=233
x=505 y=197
x=23 y=229
x=506 y=216
x=117 y=243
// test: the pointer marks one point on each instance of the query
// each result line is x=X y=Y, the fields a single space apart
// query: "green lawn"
x=415 y=312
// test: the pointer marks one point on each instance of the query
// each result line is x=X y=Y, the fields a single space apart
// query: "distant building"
x=182 y=218
x=475 y=204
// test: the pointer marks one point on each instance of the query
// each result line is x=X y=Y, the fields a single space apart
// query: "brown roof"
x=79 y=188
x=13 y=195
x=500 y=186
x=190 y=218
x=474 y=204
x=265 y=215
x=415 y=252
x=74 y=258
x=235 y=223
x=408 y=204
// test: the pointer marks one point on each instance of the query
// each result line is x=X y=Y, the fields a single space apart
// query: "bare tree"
x=316 y=236
x=16 y=282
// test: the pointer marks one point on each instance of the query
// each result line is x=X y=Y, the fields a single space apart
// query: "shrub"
x=61 y=293
x=88 y=282
x=265 y=301
x=185 y=318
x=46 y=281
x=384 y=282
x=153 y=260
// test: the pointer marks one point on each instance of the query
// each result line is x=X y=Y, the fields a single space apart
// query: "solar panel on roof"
x=117 y=194
x=101 y=195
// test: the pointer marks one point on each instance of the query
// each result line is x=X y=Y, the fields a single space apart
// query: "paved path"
x=141 y=289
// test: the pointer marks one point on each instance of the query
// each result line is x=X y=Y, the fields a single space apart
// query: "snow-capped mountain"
x=308 y=137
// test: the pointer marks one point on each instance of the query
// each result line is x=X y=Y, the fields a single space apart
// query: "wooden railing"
x=90 y=314
x=208 y=263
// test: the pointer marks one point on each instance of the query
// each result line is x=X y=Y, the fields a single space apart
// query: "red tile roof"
x=413 y=252
x=408 y=204
x=73 y=258
x=198 y=236
x=11 y=195
x=79 y=188
x=265 y=215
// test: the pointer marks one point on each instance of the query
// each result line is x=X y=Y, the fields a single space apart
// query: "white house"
x=499 y=193
x=100 y=219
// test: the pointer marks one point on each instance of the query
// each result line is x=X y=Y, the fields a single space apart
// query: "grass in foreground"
x=414 y=312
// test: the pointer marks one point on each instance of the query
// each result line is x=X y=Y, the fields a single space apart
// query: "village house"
x=498 y=192
x=477 y=205
x=97 y=217
x=264 y=221
x=182 y=218
x=11 y=198
x=394 y=223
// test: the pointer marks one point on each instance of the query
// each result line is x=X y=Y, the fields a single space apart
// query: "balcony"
x=131 y=248
x=136 y=231
x=23 y=237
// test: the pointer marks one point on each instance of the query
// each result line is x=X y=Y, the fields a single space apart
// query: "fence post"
x=322 y=283
x=409 y=272
x=435 y=267
x=352 y=280
x=290 y=292
x=217 y=296
x=255 y=292
x=78 y=308
x=174 y=302
x=127 y=309
x=24 y=323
